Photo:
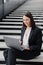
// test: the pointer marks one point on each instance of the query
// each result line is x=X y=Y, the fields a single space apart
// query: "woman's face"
x=26 y=21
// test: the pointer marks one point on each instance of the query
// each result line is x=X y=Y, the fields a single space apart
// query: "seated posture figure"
x=31 y=39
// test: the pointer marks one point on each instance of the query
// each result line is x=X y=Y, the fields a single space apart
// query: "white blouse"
x=26 y=37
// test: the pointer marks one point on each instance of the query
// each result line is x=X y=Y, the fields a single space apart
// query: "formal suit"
x=35 y=42
x=35 y=38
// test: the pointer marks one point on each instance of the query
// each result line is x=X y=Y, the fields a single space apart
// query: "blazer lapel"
x=30 y=36
x=30 y=33
x=23 y=31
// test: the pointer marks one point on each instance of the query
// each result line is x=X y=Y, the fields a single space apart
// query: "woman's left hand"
x=27 y=48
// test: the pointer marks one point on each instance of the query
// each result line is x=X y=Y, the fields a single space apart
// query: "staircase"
x=11 y=26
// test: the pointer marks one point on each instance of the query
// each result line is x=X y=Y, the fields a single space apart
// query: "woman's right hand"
x=20 y=41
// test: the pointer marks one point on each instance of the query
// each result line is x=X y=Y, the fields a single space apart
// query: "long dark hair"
x=28 y=14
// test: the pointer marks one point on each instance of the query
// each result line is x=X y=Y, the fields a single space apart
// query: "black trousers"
x=11 y=55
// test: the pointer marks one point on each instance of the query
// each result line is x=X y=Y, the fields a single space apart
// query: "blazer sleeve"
x=38 y=42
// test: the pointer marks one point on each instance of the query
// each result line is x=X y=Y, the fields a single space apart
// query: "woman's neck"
x=28 y=27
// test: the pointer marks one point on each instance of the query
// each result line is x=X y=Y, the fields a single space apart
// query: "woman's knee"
x=5 y=53
x=11 y=51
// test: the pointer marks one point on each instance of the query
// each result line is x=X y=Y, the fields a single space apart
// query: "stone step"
x=19 y=20
x=22 y=17
x=32 y=11
x=37 y=59
x=11 y=20
x=3 y=45
x=4 y=23
x=11 y=23
x=14 y=17
x=12 y=36
x=10 y=31
x=23 y=12
x=15 y=35
x=41 y=27
x=1 y=26
x=19 y=27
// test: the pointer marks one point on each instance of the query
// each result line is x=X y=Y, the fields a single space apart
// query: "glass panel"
x=0 y=2
x=6 y=1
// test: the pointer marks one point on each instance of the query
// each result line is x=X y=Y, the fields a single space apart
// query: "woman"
x=31 y=39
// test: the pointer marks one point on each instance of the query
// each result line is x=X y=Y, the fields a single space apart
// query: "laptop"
x=14 y=43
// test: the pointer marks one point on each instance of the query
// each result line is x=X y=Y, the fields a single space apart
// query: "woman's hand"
x=20 y=41
x=27 y=48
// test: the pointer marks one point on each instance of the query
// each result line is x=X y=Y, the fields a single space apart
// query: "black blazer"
x=35 y=39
